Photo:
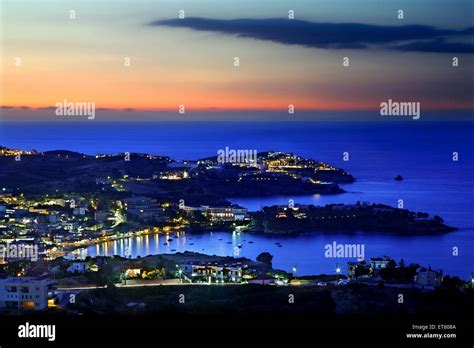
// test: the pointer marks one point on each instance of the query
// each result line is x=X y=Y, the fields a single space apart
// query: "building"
x=298 y=211
x=426 y=278
x=262 y=280
x=102 y=216
x=351 y=268
x=232 y=274
x=220 y=214
x=225 y=213
x=377 y=263
x=77 y=267
x=27 y=293
x=173 y=174
x=213 y=273
x=56 y=201
x=71 y=227
x=145 y=208
x=79 y=211
x=102 y=181
x=133 y=272
x=356 y=268
x=183 y=164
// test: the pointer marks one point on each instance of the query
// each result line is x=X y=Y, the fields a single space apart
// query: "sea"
x=435 y=158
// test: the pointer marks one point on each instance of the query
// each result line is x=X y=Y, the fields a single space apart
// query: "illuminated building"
x=27 y=293
x=145 y=208
x=214 y=273
x=230 y=213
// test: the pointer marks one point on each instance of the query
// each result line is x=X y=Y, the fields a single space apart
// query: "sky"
x=190 y=61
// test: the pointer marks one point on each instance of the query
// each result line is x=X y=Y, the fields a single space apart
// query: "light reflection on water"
x=306 y=252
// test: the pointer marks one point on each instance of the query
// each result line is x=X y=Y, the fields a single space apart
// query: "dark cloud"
x=437 y=45
x=14 y=108
x=422 y=38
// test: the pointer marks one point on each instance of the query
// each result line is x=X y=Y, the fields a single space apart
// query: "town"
x=65 y=285
x=51 y=208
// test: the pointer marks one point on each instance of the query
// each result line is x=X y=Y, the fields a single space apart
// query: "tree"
x=401 y=264
x=361 y=270
x=392 y=264
x=266 y=258
x=452 y=282
x=199 y=217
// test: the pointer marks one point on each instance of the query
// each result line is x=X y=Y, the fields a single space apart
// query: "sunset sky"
x=191 y=61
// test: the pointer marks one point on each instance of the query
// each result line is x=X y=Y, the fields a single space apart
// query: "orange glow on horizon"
x=42 y=87
x=231 y=107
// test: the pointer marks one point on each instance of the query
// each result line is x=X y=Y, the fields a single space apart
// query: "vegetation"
x=338 y=217
x=401 y=273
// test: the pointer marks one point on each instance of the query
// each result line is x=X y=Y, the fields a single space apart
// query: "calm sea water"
x=419 y=151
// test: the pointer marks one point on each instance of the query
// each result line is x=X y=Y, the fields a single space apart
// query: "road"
x=167 y=282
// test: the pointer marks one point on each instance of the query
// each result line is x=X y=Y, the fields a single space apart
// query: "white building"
x=426 y=278
x=230 y=213
x=27 y=293
x=145 y=208
x=214 y=273
x=79 y=211
x=77 y=267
